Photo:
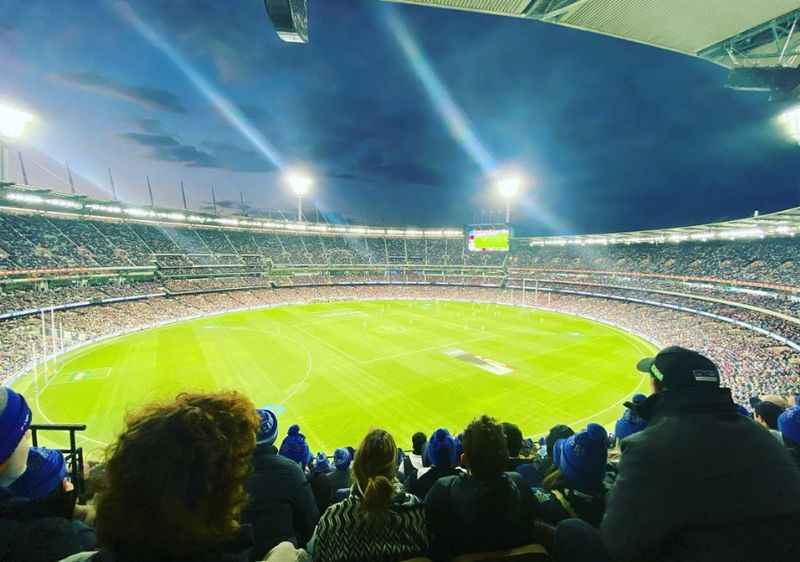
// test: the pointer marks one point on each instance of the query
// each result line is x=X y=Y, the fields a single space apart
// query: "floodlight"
x=299 y=182
x=13 y=122
x=789 y=121
x=509 y=186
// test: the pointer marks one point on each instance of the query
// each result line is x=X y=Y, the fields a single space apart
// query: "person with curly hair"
x=378 y=522
x=174 y=485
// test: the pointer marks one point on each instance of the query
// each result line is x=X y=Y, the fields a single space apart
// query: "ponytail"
x=378 y=494
x=374 y=468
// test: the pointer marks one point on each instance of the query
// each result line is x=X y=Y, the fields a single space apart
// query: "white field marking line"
x=326 y=344
x=51 y=422
x=295 y=388
x=431 y=348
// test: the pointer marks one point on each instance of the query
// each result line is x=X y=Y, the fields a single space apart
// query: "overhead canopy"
x=726 y=32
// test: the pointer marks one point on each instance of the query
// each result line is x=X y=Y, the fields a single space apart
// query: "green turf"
x=340 y=368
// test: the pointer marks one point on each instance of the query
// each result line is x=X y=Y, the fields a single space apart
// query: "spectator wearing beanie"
x=575 y=488
x=294 y=447
x=440 y=461
x=514 y=444
x=339 y=478
x=789 y=425
x=535 y=472
x=36 y=502
x=700 y=482
x=412 y=462
x=630 y=422
x=486 y=509
x=282 y=506
x=378 y=520
x=320 y=485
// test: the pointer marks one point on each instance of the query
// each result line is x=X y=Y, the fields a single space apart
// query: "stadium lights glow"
x=790 y=123
x=300 y=183
x=13 y=122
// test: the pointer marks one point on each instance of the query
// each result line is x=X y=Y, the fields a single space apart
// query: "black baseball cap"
x=677 y=367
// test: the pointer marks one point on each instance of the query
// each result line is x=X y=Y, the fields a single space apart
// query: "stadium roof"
x=781 y=224
x=730 y=33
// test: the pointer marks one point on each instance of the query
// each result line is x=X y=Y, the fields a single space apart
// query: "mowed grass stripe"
x=340 y=368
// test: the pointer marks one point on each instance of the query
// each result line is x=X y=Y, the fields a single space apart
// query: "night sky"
x=401 y=112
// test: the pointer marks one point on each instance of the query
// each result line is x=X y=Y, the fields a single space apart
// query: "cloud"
x=146 y=139
x=149 y=125
x=224 y=156
x=151 y=98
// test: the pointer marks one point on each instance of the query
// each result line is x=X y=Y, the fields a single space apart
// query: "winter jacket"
x=40 y=531
x=702 y=483
x=422 y=481
x=469 y=515
x=281 y=505
x=339 y=479
x=347 y=533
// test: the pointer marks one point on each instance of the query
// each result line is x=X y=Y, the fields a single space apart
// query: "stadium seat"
x=527 y=553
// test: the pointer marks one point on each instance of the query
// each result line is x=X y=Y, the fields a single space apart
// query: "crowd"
x=37 y=242
x=229 y=488
x=769 y=260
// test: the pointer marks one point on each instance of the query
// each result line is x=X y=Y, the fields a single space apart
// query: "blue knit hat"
x=630 y=422
x=15 y=419
x=321 y=463
x=789 y=424
x=294 y=446
x=341 y=459
x=441 y=449
x=582 y=458
x=742 y=410
x=45 y=472
x=267 y=427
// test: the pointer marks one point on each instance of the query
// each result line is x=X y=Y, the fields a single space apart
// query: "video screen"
x=488 y=240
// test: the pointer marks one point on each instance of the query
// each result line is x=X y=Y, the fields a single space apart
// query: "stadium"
x=206 y=345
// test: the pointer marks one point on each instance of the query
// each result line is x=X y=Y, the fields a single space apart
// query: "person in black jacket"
x=789 y=425
x=701 y=482
x=339 y=477
x=37 y=503
x=439 y=460
x=487 y=509
x=282 y=505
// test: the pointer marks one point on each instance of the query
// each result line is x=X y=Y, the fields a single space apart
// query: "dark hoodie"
x=466 y=515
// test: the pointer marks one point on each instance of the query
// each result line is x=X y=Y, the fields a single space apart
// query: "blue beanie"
x=582 y=458
x=789 y=424
x=294 y=446
x=630 y=422
x=267 y=427
x=741 y=410
x=321 y=463
x=441 y=449
x=15 y=419
x=341 y=459
x=45 y=472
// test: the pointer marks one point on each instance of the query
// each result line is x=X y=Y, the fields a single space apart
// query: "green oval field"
x=340 y=368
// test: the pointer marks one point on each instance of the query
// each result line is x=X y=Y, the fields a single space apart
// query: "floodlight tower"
x=300 y=183
x=508 y=186
x=12 y=126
